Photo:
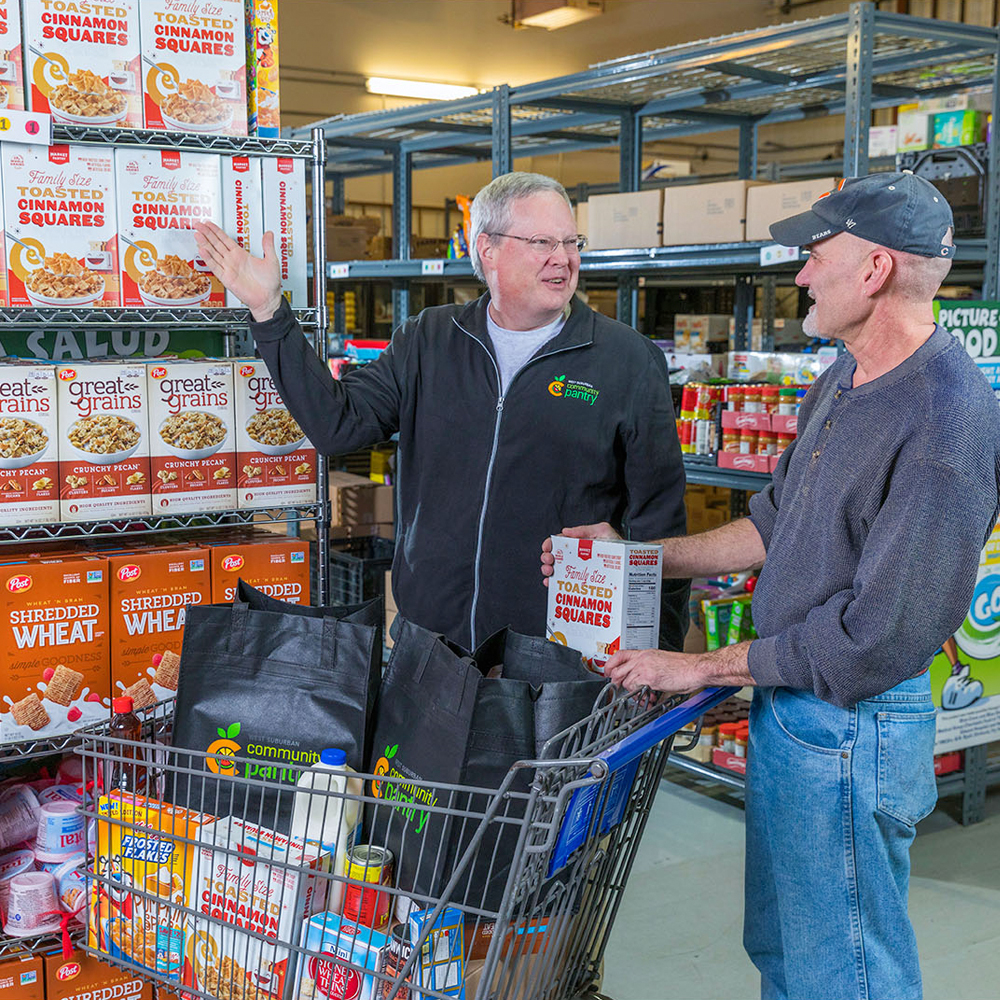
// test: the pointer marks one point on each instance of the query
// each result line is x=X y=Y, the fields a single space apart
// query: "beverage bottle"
x=126 y=774
x=329 y=821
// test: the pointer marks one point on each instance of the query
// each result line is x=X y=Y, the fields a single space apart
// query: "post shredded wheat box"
x=11 y=56
x=242 y=206
x=284 y=181
x=195 y=62
x=604 y=595
x=83 y=61
x=83 y=977
x=192 y=437
x=62 y=225
x=53 y=646
x=29 y=444
x=279 y=567
x=276 y=462
x=103 y=441
x=161 y=194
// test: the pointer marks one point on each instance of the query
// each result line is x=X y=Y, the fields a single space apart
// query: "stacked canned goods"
x=696 y=426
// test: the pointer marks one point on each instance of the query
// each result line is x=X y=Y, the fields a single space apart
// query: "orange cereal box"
x=276 y=462
x=62 y=226
x=53 y=646
x=242 y=207
x=161 y=194
x=83 y=977
x=263 y=104
x=192 y=436
x=83 y=61
x=29 y=444
x=284 y=183
x=195 y=66
x=103 y=441
x=279 y=567
x=11 y=56
x=22 y=977
x=150 y=592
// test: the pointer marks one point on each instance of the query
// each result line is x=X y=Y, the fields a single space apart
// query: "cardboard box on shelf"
x=346 y=242
x=959 y=128
x=83 y=977
x=12 y=94
x=913 y=129
x=22 y=977
x=770 y=366
x=729 y=761
x=705 y=213
x=976 y=100
x=767 y=203
x=883 y=140
x=263 y=92
x=279 y=567
x=786 y=331
x=242 y=207
x=745 y=463
x=626 y=220
x=357 y=501
x=284 y=185
x=693 y=332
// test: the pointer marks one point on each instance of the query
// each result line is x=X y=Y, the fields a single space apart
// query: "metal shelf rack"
x=183 y=318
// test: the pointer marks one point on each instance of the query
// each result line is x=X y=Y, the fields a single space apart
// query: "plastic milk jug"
x=329 y=820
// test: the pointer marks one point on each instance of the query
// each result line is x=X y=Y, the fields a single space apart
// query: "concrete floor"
x=678 y=932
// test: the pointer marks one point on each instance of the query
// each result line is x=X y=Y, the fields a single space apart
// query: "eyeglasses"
x=547 y=244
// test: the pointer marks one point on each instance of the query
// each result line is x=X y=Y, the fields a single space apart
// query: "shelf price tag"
x=432 y=267
x=338 y=270
x=775 y=254
x=26 y=126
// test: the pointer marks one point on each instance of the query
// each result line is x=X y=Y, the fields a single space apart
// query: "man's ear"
x=485 y=247
x=878 y=267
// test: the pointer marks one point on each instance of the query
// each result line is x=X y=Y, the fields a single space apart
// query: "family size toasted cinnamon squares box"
x=11 y=56
x=161 y=194
x=284 y=182
x=194 y=53
x=61 y=225
x=82 y=61
x=242 y=206
x=279 y=567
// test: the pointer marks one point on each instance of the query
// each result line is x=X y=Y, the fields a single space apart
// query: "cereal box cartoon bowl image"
x=192 y=434
x=104 y=438
x=174 y=282
x=63 y=281
x=22 y=442
x=274 y=431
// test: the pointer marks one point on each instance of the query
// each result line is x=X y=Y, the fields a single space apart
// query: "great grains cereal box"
x=242 y=206
x=53 y=646
x=11 y=56
x=83 y=61
x=284 y=181
x=192 y=436
x=150 y=592
x=277 y=566
x=83 y=977
x=263 y=103
x=195 y=67
x=150 y=854
x=62 y=227
x=103 y=441
x=161 y=194
x=276 y=463
x=29 y=444
x=604 y=595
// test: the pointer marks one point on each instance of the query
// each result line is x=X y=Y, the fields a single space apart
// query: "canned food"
x=362 y=905
x=393 y=958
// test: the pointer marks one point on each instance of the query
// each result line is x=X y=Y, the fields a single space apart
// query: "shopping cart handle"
x=666 y=725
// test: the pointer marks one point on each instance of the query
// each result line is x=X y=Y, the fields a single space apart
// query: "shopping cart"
x=224 y=910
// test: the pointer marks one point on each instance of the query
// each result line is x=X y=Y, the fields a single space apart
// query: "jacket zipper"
x=492 y=462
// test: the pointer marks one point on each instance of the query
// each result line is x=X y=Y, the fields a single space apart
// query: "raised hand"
x=254 y=281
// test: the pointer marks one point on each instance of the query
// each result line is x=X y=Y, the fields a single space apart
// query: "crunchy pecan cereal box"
x=279 y=567
x=195 y=66
x=29 y=444
x=83 y=61
x=83 y=977
x=103 y=441
x=11 y=56
x=161 y=194
x=53 y=646
x=263 y=104
x=284 y=181
x=151 y=855
x=242 y=206
x=62 y=225
x=192 y=436
x=276 y=463
x=150 y=592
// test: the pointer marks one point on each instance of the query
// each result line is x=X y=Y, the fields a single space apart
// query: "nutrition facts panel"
x=640 y=631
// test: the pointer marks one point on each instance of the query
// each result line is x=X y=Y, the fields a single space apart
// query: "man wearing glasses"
x=517 y=414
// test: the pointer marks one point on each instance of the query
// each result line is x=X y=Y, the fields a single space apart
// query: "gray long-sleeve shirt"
x=873 y=524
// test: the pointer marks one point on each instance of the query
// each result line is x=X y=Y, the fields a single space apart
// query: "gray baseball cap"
x=896 y=210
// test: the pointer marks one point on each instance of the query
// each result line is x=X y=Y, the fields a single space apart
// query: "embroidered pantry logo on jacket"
x=567 y=388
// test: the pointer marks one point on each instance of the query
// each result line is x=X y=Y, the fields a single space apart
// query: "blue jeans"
x=833 y=796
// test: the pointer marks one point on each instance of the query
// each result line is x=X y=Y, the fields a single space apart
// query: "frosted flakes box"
x=263 y=102
x=11 y=56
x=284 y=180
x=192 y=436
x=82 y=61
x=242 y=206
x=161 y=194
x=194 y=53
x=62 y=227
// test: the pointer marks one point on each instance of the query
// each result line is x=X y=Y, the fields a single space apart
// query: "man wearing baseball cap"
x=869 y=535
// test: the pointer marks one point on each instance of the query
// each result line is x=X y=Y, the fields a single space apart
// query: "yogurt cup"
x=61 y=832
x=14 y=863
x=19 y=810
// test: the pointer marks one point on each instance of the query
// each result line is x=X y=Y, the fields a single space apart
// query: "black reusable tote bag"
x=274 y=683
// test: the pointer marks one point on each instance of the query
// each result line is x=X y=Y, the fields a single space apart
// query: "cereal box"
x=236 y=889
x=83 y=61
x=150 y=854
x=22 y=977
x=604 y=595
x=277 y=566
x=62 y=226
x=11 y=56
x=242 y=206
x=276 y=462
x=192 y=436
x=341 y=959
x=103 y=441
x=284 y=181
x=53 y=646
x=29 y=444
x=263 y=105
x=194 y=52
x=150 y=593
x=83 y=977
x=161 y=194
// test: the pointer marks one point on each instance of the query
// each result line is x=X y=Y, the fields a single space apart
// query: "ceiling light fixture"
x=552 y=14
x=417 y=88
